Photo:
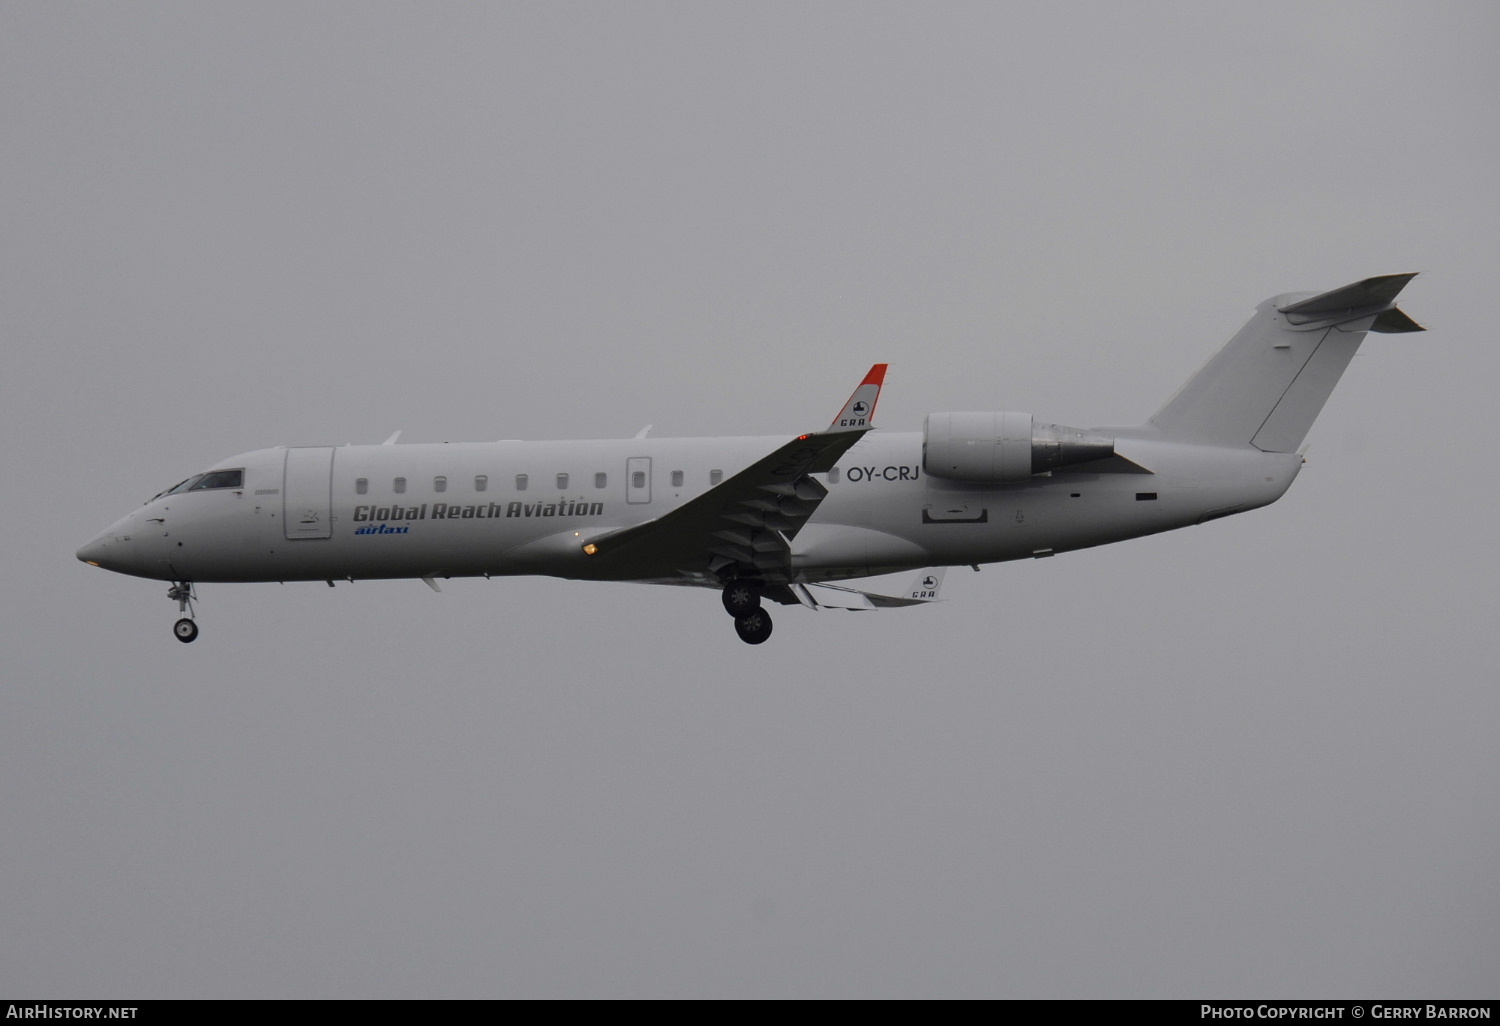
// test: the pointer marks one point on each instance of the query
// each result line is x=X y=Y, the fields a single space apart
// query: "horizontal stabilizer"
x=1362 y=295
x=1393 y=322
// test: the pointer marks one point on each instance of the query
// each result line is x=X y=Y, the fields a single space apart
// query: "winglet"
x=859 y=411
x=922 y=589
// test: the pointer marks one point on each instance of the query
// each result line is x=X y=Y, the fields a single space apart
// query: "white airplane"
x=766 y=518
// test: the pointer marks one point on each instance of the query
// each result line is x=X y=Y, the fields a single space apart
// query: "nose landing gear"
x=184 y=630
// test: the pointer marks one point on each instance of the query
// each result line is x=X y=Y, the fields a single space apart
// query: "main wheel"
x=741 y=597
x=754 y=627
x=185 y=630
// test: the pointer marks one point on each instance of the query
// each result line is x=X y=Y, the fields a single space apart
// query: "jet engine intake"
x=995 y=448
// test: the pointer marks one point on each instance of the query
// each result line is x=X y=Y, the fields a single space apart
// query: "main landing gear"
x=742 y=601
x=754 y=627
x=185 y=629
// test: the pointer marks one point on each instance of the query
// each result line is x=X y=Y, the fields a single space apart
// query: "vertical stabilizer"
x=1269 y=383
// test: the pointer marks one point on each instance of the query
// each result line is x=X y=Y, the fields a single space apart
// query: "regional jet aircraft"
x=767 y=519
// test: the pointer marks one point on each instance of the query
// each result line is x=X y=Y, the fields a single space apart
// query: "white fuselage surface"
x=780 y=518
x=496 y=508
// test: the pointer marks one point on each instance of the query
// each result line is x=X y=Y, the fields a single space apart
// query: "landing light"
x=590 y=549
x=90 y=562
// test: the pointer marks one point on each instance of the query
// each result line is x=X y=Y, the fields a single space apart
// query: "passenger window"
x=399 y=486
x=481 y=482
x=638 y=479
x=520 y=482
x=361 y=486
x=440 y=484
x=601 y=480
x=221 y=479
x=833 y=476
x=562 y=482
x=715 y=476
x=676 y=479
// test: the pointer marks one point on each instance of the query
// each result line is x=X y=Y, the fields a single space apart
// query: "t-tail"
x=1269 y=383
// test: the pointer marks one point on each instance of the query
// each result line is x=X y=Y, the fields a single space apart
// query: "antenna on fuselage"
x=392 y=440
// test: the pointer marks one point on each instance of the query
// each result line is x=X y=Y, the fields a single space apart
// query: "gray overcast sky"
x=1252 y=758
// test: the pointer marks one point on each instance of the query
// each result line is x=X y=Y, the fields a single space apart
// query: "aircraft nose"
x=113 y=549
x=128 y=547
x=96 y=552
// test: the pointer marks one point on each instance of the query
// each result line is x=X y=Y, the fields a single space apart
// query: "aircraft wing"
x=746 y=521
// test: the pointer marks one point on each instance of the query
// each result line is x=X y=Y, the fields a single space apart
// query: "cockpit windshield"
x=200 y=482
x=220 y=479
x=180 y=486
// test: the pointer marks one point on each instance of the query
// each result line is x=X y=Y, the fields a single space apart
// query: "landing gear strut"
x=184 y=630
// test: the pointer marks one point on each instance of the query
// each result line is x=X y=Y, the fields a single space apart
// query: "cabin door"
x=307 y=493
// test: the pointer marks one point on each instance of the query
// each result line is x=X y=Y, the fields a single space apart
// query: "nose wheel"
x=185 y=629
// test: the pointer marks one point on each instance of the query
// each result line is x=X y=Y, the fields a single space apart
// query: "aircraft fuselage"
x=500 y=508
x=769 y=518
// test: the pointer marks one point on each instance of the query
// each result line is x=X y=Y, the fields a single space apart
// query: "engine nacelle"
x=995 y=448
